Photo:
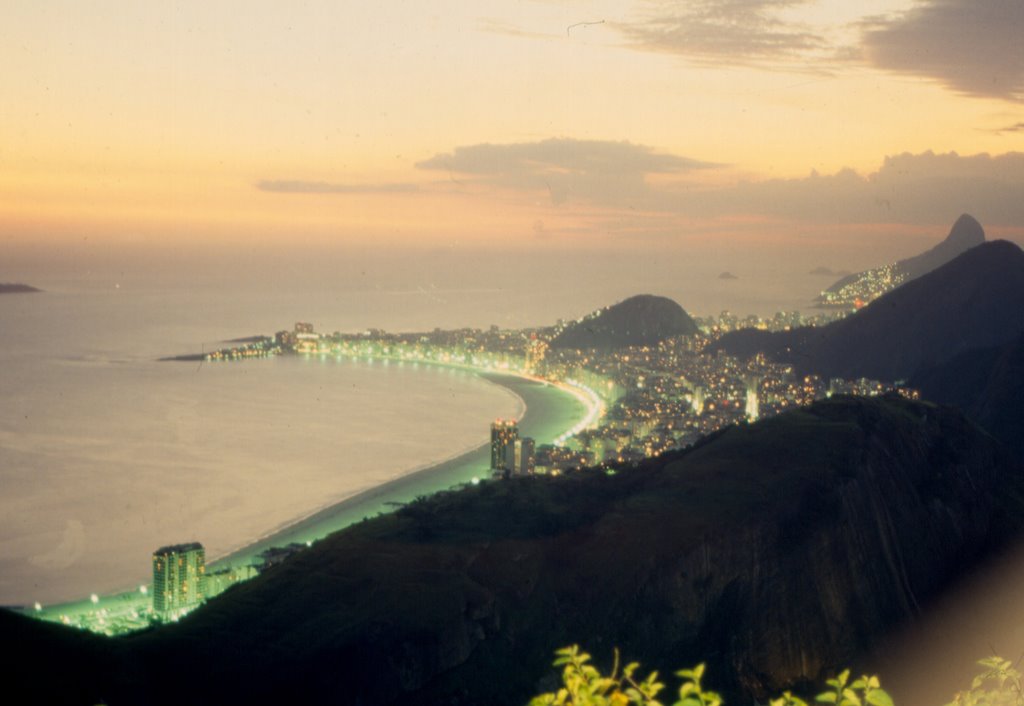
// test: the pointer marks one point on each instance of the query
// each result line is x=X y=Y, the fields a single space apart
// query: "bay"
x=107 y=453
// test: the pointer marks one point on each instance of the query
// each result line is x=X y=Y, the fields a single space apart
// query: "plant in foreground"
x=999 y=685
x=584 y=685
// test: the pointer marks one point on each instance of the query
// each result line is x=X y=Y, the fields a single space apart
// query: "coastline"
x=546 y=412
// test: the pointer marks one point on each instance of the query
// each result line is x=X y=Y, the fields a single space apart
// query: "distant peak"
x=966 y=232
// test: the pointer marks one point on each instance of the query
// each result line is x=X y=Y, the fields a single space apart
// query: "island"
x=17 y=288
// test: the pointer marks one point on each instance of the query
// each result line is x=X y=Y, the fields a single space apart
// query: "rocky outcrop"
x=642 y=320
x=17 y=289
x=965 y=234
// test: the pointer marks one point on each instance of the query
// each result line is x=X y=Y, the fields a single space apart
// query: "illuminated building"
x=697 y=403
x=753 y=406
x=504 y=433
x=536 y=349
x=520 y=457
x=178 y=578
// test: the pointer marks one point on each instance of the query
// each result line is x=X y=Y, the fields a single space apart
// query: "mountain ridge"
x=775 y=551
x=973 y=301
x=965 y=234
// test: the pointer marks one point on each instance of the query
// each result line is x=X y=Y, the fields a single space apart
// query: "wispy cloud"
x=975 y=47
x=1018 y=127
x=495 y=26
x=292 y=186
x=729 y=33
x=595 y=170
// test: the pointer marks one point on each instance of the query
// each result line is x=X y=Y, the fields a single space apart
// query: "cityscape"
x=503 y=353
x=641 y=402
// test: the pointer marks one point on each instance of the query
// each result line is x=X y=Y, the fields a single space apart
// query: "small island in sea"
x=17 y=288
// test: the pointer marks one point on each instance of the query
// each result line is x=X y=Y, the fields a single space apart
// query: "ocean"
x=107 y=453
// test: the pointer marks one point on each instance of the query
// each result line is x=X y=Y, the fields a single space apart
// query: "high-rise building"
x=520 y=457
x=504 y=433
x=697 y=402
x=178 y=577
x=753 y=406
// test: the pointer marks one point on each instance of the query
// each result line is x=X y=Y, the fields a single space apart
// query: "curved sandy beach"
x=548 y=412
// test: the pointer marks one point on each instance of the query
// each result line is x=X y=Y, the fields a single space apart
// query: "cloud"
x=288 y=186
x=595 y=170
x=729 y=32
x=907 y=188
x=974 y=47
x=926 y=188
x=581 y=156
x=1018 y=127
x=495 y=26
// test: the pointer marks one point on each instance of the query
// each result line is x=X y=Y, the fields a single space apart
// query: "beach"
x=547 y=411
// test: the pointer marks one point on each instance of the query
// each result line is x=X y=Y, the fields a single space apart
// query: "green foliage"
x=998 y=685
x=584 y=685
x=859 y=692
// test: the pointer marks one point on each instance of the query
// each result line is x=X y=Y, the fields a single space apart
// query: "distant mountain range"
x=17 y=289
x=777 y=552
x=642 y=320
x=974 y=301
x=863 y=287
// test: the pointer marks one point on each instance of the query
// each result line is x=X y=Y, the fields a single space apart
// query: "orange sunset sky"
x=541 y=123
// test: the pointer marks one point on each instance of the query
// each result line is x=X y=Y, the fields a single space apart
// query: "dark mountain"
x=965 y=234
x=776 y=552
x=977 y=300
x=642 y=320
x=987 y=384
x=17 y=289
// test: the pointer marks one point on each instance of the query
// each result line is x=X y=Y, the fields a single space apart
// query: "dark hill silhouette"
x=776 y=551
x=17 y=289
x=642 y=320
x=974 y=301
x=965 y=234
x=987 y=384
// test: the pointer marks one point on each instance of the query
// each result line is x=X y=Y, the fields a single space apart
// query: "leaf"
x=829 y=697
x=879 y=697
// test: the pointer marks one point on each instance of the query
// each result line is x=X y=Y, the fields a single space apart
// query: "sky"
x=536 y=125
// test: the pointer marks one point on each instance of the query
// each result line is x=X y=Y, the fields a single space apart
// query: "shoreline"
x=439 y=476
x=546 y=410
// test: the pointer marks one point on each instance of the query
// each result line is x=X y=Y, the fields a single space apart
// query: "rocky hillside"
x=776 y=552
x=975 y=301
x=642 y=320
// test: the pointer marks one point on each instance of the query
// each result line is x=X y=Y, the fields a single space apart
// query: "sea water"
x=107 y=453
